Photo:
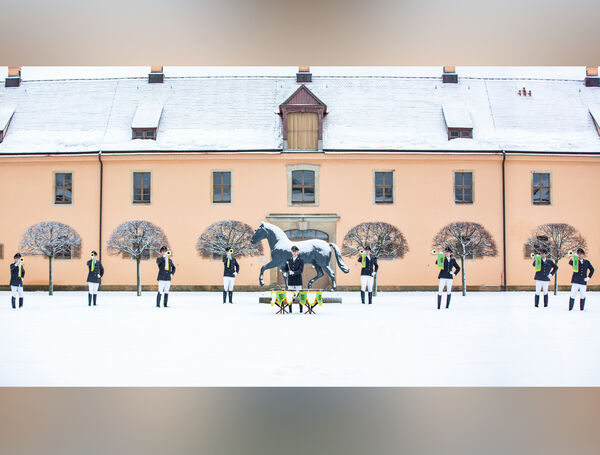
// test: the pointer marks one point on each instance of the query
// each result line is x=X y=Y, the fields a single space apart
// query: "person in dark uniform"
x=447 y=273
x=17 y=273
x=294 y=267
x=542 y=277
x=369 y=268
x=231 y=268
x=95 y=272
x=166 y=270
x=579 y=279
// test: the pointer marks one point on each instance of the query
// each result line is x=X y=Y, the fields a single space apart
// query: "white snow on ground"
x=485 y=339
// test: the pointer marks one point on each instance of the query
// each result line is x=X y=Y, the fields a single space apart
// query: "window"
x=1 y=251
x=384 y=187
x=221 y=187
x=64 y=255
x=303 y=186
x=541 y=188
x=463 y=187
x=143 y=133
x=141 y=187
x=63 y=188
x=303 y=130
x=307 y=234
x=454 y=133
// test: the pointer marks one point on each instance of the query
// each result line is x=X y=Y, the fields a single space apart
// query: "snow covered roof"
x=236 y=109
x=457 y=116
x=6 y=112
x=147 y=116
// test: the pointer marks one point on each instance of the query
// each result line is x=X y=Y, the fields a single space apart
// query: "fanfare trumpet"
x=21 y=260
x=532 y=255
x=363 y=263
x=229 y=254
x=168 y=252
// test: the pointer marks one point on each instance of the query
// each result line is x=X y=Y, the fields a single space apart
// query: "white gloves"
x=452 y=273
x=98 y=275
x=234 y=273
x=373 y=274
x=549 y=275
x=586 y=279
x=171 y=275
x=291 y=272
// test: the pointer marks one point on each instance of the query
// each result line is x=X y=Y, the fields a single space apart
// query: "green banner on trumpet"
x=575 y=263
x=538 y=262
x=440 y=260
x=364 y=260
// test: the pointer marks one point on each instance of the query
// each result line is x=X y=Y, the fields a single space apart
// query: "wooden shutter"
x=303 y=130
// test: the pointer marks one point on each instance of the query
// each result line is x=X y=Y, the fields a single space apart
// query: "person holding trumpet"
x=544 y=269
x=166 y=270
x=293 y=269
x=368 y=270
x=231 y=269
x=448 y=269
x=17 y=273
x=580 y=277
x=95 y=272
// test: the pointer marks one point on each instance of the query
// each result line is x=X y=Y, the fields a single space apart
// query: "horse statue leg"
x=285 y=277
x=331 y=276
x=268 y=266
x=316 y=277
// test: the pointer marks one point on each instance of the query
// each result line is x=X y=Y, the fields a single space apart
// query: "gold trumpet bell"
x=570 y=253
x=433 y=251
x=532 y=255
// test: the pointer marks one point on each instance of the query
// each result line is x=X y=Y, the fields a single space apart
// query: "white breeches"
x=163 y=287
x=541 y=285
x=366 y=282
x=228 y=283
x=578 y=288
x=93 y=287
x=16 y=291
x=447 y=283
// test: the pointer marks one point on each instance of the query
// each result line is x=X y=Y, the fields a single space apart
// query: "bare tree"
x=558 y=239
x=385 y=240
x=220 y=237
x=137 y=239
x=51 y=239
x=465 y=239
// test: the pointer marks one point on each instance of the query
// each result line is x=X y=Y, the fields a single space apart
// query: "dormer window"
x=302 y=114
x=458 y=122
x=145 y=121
x=6 y=113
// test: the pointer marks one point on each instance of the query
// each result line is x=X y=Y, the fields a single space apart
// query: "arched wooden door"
x=309 y=271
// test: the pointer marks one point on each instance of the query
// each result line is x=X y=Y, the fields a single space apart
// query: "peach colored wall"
x=181 y=206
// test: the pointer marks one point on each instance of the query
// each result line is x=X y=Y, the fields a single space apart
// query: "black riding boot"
x=20 y=302
x=94 y=298
x=224 y=296
x=581 y=304
x=12 y=300
x=537 y=300
x=230 y=296
x=439 y=301
x=448 y=300
x=158 y=300
x=370 y=298
x=362 y=296
x=545 y=300
x=571 y=303
x=165 y=300
x=89 y=299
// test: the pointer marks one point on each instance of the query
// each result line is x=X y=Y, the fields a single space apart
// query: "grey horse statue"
x=315 y=252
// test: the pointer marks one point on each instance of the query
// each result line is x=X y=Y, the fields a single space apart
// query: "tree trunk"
x=462 y=272
x=50 y=283
x=556 y=282
x=139 y=283
x=375 y=284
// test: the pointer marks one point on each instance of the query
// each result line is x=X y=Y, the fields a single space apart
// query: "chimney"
x=156 y=75
x=14 y=77
x=304 y=74
x=591 y=76
x=449 y=76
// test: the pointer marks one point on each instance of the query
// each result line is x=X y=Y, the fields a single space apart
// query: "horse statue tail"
x=338 y=257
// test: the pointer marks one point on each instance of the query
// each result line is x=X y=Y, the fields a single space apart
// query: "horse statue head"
x=260 y=234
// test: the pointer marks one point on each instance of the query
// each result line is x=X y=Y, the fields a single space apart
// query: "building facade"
x=313 y=153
